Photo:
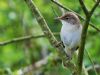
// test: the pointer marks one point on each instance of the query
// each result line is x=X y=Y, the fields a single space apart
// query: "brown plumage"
x=69 y=16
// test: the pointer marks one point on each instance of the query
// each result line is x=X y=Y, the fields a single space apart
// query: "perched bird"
x=70 y=32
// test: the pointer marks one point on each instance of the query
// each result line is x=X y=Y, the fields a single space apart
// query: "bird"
x=70 y=33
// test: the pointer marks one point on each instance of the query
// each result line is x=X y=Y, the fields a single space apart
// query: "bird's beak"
x=58 y=18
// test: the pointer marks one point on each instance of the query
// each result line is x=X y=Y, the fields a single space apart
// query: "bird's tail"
x=69 y=53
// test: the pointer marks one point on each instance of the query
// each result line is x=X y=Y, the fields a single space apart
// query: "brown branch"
x=66 y=8
x=41 y=21
x=83 y=37
x=24 y=38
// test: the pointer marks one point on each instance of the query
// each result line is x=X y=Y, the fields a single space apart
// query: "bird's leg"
x=75 y=48
x=68 y=53
x=62 y=44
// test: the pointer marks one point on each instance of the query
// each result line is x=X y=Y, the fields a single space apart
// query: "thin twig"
x=96 y=1
x=55 y=13
x=91 y=61
x=96 y=66
x=68 y=9
x=93 y=9
x=84 y=7
x=24 y=38
x=61 y=9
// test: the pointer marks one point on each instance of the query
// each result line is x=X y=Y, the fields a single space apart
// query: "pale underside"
x=70 y=36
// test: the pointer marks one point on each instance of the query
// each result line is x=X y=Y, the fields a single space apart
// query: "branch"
x=24 y=38
x=61 y=9
x=96 y=66
x=96 y=1
x=84 y=7
x=38 y=64
x=66 y=8
x=83 y=38
x=91 y=62
x=41 y=21
x=82 y=45
x=93 y=9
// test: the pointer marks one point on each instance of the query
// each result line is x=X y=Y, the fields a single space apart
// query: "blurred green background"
x=16 y=21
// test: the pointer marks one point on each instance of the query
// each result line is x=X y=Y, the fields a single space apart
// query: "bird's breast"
x=70 y=36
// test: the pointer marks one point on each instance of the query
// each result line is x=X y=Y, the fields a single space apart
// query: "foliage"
x=16 y=20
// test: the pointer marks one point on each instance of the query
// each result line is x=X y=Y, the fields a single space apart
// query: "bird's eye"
x=67 y=18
